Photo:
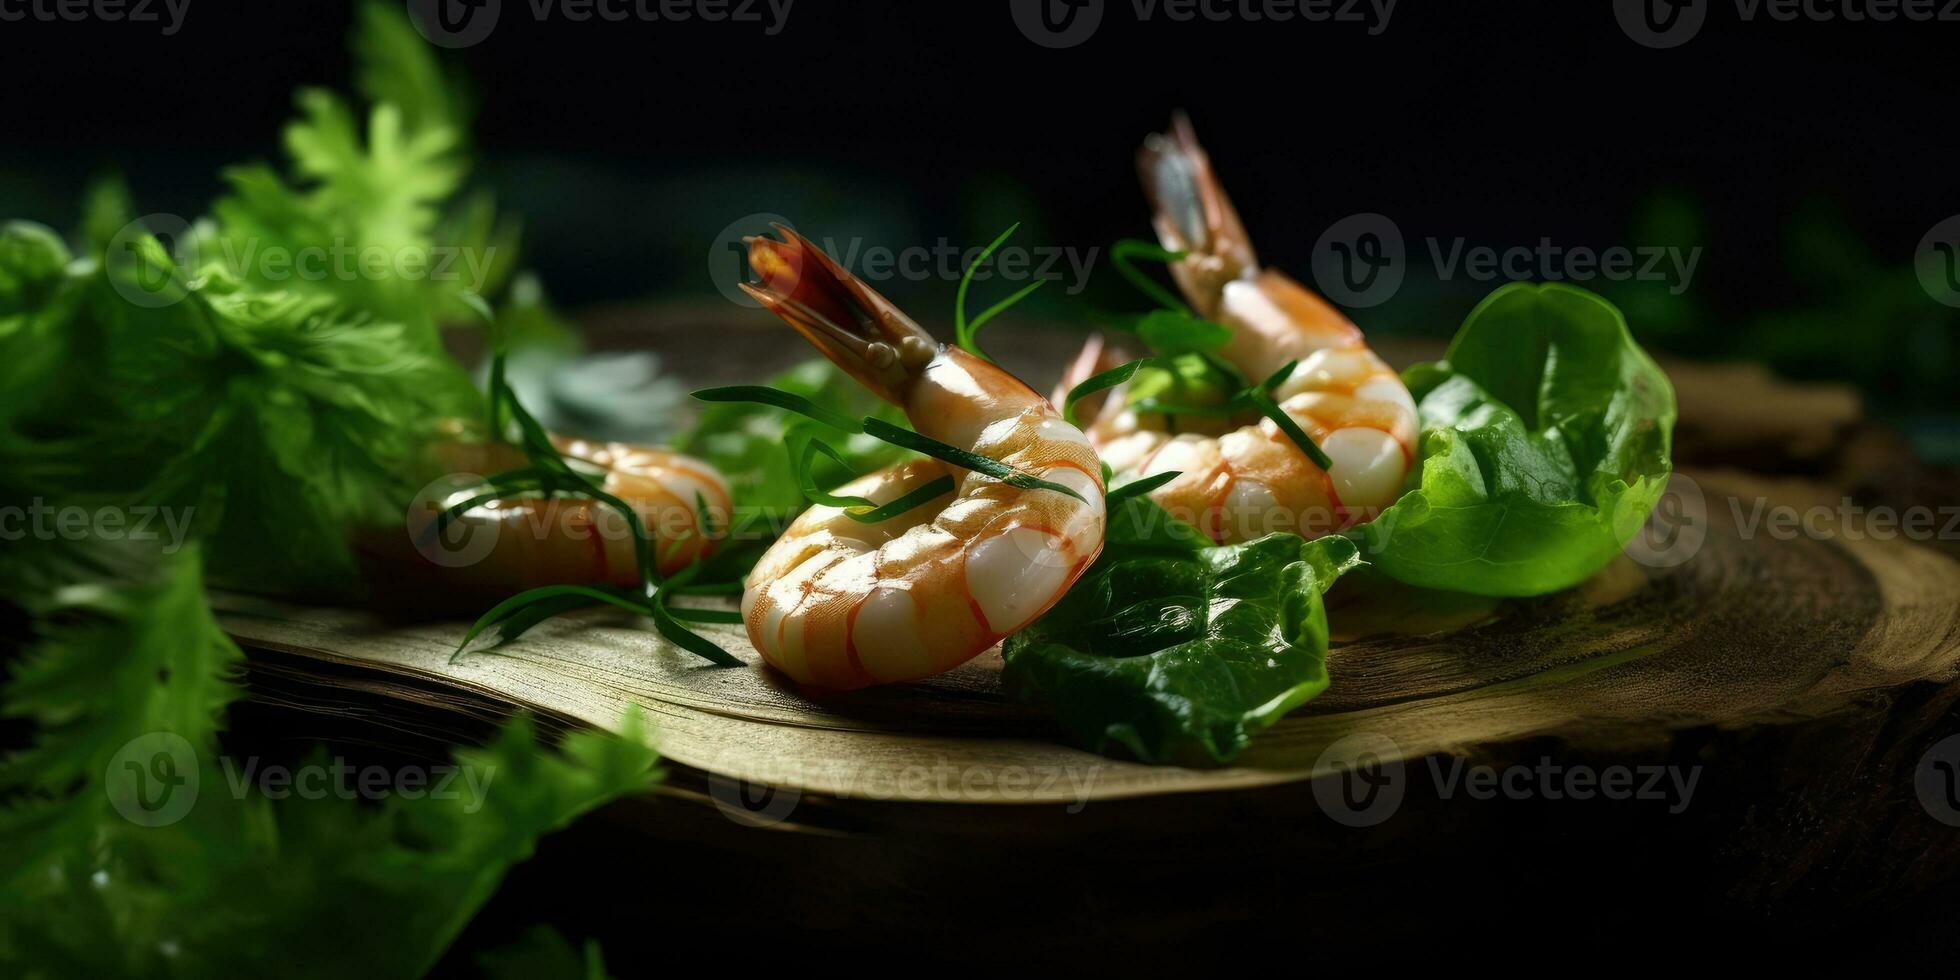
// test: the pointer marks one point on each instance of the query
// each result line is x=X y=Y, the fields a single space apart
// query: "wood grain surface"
x=1745 y=626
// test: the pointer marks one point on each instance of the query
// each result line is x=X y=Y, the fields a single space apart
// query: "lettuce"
x=1545 y=442
x=1177 y=651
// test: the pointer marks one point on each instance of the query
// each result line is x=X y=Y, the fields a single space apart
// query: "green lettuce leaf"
x=1545 y=444
x=1177 y=651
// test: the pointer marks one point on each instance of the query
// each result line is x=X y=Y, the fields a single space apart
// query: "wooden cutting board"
x=1747 y=626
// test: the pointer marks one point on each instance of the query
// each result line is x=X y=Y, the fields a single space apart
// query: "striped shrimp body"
x=838 y=604
x=505 y=546
x=1251 y=479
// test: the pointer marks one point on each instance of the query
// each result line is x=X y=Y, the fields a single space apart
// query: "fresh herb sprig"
x=1175 y=332
x=550 y=474
x=965 y=332
x=886 y=432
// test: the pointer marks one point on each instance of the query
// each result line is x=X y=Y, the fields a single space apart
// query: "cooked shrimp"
x=837 y=604
x=1240 y=481
x=505 y=546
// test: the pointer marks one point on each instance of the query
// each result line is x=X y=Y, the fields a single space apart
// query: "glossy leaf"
x=1178 y=652
x=1546 y=439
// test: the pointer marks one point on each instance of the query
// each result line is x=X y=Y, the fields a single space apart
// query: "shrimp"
x=505 y=546
x=1243 y=479
x=837 y=604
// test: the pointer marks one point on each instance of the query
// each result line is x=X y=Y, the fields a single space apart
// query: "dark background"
x=628 y=146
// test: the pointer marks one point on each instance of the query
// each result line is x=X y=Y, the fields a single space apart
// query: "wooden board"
x=1754 y=627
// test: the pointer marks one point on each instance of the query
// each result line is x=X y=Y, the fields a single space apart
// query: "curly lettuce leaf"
x=1176 y=651
x=271 y=417
x=1545 y=444
x=36 y=299
x=124 y=646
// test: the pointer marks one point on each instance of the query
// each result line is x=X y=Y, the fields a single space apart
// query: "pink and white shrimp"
x=1245 y=478
x=838 y=604
x=502 y=547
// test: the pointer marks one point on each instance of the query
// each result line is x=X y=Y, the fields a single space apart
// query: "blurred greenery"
x=277 y=414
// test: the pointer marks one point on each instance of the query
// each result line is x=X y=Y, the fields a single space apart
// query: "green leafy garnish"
x=1122 y=255
x=1546 y=436
x=1121 y=374
x=1270 y=409
x=803 y=450
x=888 y=433
x=1138 y=488
x=744 y=440
x=788 y=401
x=964 y=459
x=1178 y=652
x=964 y=333
x=1169 y=333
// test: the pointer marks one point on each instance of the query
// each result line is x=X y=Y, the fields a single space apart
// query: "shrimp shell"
x=837 y=604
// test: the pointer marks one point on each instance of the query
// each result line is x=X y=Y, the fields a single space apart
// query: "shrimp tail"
x=1193 y=216
x=854 y=326
x=1097 y=355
